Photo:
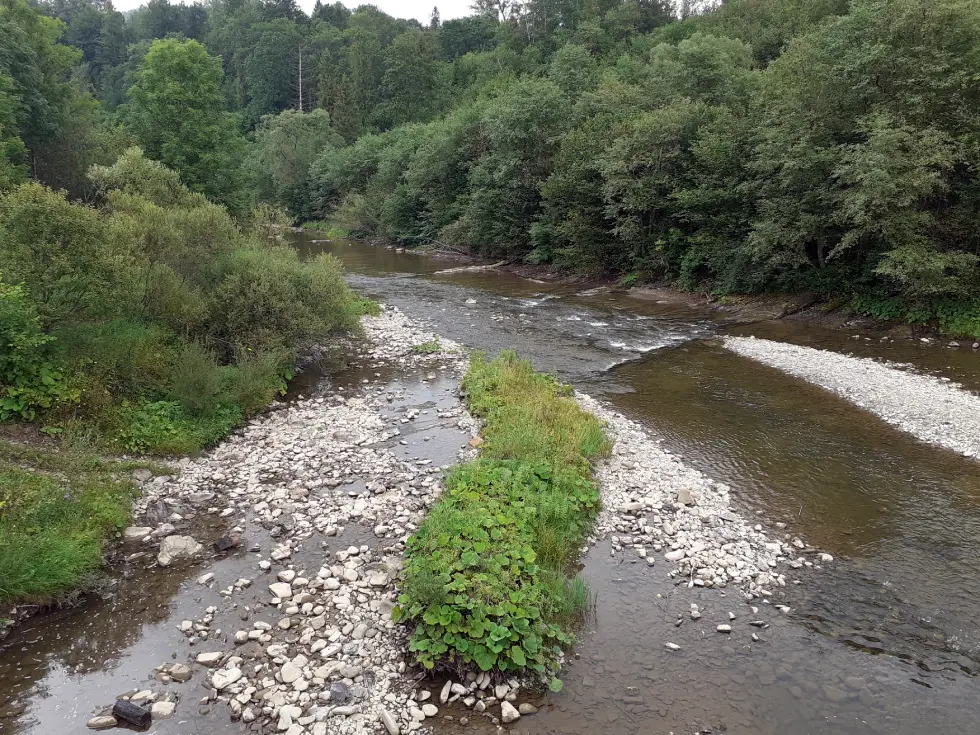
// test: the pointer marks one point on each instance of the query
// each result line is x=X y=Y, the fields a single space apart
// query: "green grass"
x=427 y=348
x=489 y=579
x=328 y=229
x=57 y=509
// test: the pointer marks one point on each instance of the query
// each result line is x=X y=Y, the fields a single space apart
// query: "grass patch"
x=427 y=348
x=55 y=519
x=487 y=581
x=366 y=307
x=328 y=229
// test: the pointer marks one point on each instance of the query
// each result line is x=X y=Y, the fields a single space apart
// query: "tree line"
x=827 y=146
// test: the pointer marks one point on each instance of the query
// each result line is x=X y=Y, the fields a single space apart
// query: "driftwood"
x=471 y=268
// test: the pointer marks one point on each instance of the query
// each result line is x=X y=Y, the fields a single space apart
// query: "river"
x=883 y=640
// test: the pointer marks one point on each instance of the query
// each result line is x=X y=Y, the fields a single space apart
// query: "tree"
x=176 y=111
x=285 y=147
x=270 y=72
x=409 y=87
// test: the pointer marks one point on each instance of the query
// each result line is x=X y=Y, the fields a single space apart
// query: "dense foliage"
x=154 y=318
x=778 y=145
x=751 y=145
x=486 y=577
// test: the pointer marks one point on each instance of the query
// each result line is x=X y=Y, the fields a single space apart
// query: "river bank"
x=803 y=308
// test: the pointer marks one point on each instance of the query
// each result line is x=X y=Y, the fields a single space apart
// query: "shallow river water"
x=886 y=639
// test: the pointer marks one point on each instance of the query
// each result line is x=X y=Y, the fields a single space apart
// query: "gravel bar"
x=657 y=507
x=932 y=409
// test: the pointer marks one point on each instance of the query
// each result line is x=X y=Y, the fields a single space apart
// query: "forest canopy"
x=744 y=146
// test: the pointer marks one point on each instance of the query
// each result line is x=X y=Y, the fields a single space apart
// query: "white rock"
x=508 y=713
x=225 y=678
x=173 y=548
x=209 y=659
x=163 y=710
x=390 y=723
x=290 y=672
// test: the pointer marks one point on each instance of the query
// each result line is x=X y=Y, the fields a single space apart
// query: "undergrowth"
x=953 y=318
x=488 y=577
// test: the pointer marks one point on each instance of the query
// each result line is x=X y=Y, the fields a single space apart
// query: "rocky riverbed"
x=313 y=649
x=317 y=498
x=935 y=410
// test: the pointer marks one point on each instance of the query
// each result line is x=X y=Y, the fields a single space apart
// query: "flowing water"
x=884 y=640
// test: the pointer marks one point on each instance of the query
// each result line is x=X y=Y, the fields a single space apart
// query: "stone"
x=508 y=713
x=179 y=672
x=724 y=629
x=286 y=575
x=209 y=659
x=282 y=590
x=174 y=548
x=205 y=578
x=379 y=580
x=674 y=555
x=430 y=710
x=672 y=646
x=684 y=497
x=135 y=533
x=103 y=722
x=444 y=694
x=339 y=692
x=163 y=710
x=834 y=694
x=500 y=691
x=290 y=672
x=526 y=708
x=225 y=678
x=390 y=723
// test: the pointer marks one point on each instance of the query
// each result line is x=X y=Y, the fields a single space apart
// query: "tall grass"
x=52 y=526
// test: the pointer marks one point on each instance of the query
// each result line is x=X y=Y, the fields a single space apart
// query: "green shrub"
x=486 y=578
x=30 y=379
x=164 y=427
x=329 y=229
x=427 y=348
x=268 y=298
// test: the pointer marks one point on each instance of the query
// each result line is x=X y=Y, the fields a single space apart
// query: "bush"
x=164 y=427
x=485 y=581
x=268 y=298
x=30 y=379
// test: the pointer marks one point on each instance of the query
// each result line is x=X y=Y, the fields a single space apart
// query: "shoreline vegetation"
x=488 y=580
x=148 y=324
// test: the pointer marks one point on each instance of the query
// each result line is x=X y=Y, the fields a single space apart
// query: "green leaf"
x=555 y=684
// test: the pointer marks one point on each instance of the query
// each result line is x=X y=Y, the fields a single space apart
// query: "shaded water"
x=884 y=640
